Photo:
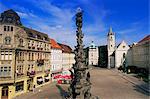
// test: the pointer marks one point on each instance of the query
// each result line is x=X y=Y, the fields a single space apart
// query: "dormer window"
x=9 y=19
x=8 y=28
x=7 y=40
x=0 y=19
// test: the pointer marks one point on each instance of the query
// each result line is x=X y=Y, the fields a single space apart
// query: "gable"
x=122 y=46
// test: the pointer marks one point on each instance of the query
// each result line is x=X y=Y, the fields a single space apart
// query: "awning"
x=46 y=77
x=40 y=80
x=56 y=71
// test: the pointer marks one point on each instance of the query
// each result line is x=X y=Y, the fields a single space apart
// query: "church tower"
x=111 y=48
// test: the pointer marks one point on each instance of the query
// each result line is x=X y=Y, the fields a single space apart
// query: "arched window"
x=20 y=42
x=124 y=55
x=7 y=40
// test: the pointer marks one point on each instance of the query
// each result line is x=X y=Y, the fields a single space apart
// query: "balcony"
x=31 y=74
x=19 y=74
x=47 y=71
x=40 y=62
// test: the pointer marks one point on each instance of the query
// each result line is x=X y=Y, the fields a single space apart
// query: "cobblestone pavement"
x=106 y=84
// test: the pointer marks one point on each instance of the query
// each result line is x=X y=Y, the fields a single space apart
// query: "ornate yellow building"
x=24 y=57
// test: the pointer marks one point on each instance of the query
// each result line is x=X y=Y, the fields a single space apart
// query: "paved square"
x=107 y=84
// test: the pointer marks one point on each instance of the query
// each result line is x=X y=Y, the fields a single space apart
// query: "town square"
x=86 y=49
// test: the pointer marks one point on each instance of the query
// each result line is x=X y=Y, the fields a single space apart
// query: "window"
x=38 y=55
x=124 y=55
x=29 y=56
x=111 y=45
x=32 y=66
x=28 y=67
x=5 y=28
x=7 y=40
x=19 y=86
x=20 y=69
x=2 y=56
x=123 y=46
x=32 y=56
x=32 y=43
x=11 y=28
x=20 y=56
x=9 y=19
x=10 y=55
x=1 y=69
x=8 y=28
x=6 y=55
x=5 y=71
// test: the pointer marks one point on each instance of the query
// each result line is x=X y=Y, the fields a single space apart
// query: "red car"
x=64 y=79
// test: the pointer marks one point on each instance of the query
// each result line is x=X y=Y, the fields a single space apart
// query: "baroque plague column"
x=80 y=86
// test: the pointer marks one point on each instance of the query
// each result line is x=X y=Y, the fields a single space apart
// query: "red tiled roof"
x=54 y=44
x=145 y=39
x=65 y=48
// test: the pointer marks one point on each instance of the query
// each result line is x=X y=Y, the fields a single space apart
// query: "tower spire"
x=110 y=32
x=110 y=29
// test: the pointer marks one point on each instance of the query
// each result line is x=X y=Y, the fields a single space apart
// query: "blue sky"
x=128 y=18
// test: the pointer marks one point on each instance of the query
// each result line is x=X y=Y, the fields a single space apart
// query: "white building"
x=93 y=54
x=116 y=55
x=67 y=57
x=111 y=48
x=120 y=54
x=56 y=59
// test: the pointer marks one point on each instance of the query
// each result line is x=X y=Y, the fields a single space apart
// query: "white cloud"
x=59 y=23
x=61 y=16
x=126 y=31
x=22 y=15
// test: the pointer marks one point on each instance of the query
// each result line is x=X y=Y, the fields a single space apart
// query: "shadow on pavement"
x=63 y=93
x=142 y=90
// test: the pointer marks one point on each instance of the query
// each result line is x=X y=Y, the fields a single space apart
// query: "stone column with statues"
x=80 y=85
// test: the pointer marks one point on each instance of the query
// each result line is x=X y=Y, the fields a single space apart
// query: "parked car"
x=64 y=79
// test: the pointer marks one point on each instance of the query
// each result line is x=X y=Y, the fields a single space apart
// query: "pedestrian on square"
x=34 y=88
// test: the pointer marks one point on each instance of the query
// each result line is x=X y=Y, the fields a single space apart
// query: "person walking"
x=34 y=88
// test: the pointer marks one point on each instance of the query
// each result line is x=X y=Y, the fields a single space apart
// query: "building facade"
x=103 y=56
x=139 y=54
x=56 y=59
x=67 y=57
x=93 y=54
x=121 y=54
x=117 y=55
x=24 y=56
